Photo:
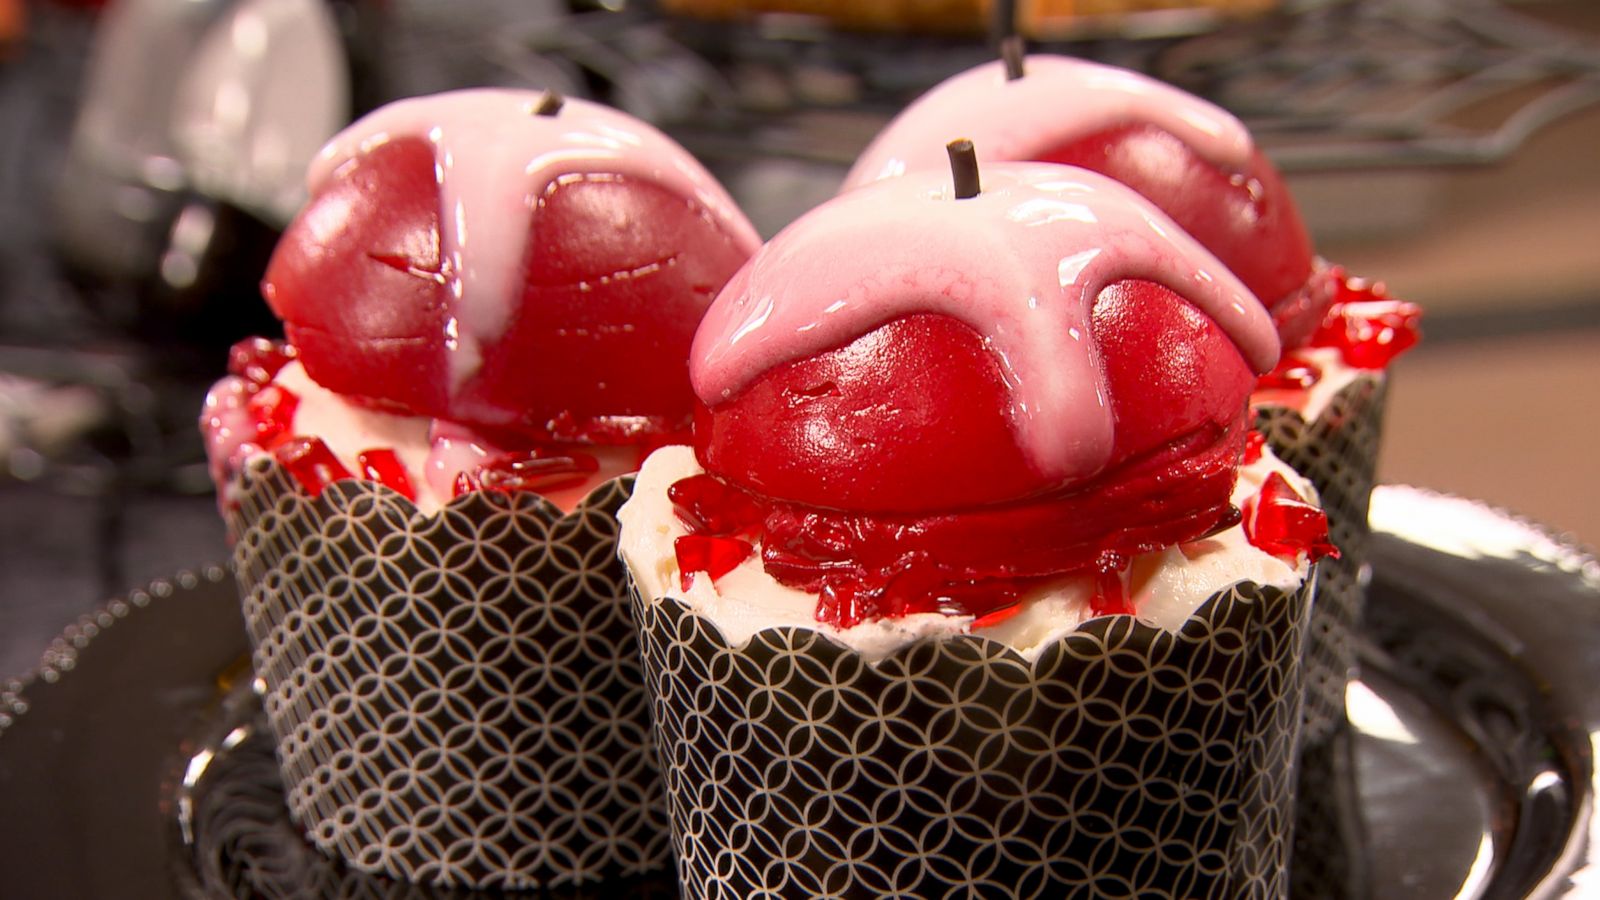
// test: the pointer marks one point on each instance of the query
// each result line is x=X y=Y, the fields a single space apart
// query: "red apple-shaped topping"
x=900 y=350
x=523 y=267
x=1190 y=158
x=937 y=401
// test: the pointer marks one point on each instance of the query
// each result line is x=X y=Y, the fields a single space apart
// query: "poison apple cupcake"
x=1320 y=409
x=488 y=305
x=959 y=586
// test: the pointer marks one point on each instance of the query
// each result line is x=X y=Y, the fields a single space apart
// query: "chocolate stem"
x=1012 y=53
x=963 y=168
x=549 y=104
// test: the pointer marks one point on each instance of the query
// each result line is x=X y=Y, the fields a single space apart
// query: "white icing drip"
x=1055 y=102
x=494 y=159
x=1021 y=263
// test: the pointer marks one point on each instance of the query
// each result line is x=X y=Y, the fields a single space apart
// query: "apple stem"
x=1012 y=53
x=549 y=104
x=963 y=168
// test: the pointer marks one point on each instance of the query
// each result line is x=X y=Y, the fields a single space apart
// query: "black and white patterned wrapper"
x=457 y=698
x=1125 y=761
x=1337 y=452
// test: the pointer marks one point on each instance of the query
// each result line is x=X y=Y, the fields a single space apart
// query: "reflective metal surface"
x=1476 y=716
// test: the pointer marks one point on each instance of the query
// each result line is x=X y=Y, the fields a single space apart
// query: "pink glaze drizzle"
x=1056 y=101
x=494 y=157
x=1021 y=263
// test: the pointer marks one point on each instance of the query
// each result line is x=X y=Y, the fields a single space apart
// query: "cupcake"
x=1319 y=409
x=488 y=304
x=959 y=587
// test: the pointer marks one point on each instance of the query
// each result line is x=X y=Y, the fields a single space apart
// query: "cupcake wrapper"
x=457 y=698
x=1338 y=453
x=1125 y=761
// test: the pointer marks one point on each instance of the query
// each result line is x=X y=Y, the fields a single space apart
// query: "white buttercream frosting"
x=1165 y=587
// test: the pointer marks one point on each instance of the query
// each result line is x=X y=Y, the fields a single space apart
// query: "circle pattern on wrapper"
x=1125 y=761
x=457 y=698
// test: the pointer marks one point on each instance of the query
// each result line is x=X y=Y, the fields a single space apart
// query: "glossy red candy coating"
x=873 y=426
x=1279 y=521
x=910 y=417
x=272 y=409
x=716 y=556
x=1248 y=220
x=384 y=467
x=616 y=274
x=311 y=463
x=355 y=279
x=259 y=359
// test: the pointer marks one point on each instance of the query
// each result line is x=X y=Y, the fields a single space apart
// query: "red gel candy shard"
x=534 y=470
x=258 y=359
x=384 y=467
x=1110 y=597
x=1254 y=444
x=1279 y=521
x=716 y=556
x=708 y=506
x=1292 y=373
x=311 y=463
x=272 y=410
x=991 y=619
x=1368 y=327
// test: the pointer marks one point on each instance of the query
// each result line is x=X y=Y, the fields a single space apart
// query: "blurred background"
x=150 y=150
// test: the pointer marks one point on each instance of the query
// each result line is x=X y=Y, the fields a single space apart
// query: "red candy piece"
x=1279 y=521
x=1254 y=443
x=384 y=467
x=1370 y=335
x=1368 y=327
x=259 y=359
x=272 y=409
x=1292 y=373
x=311 y=463
x=716 y=556
x=707 y=506
x=1110 y=597
x=534 y=470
